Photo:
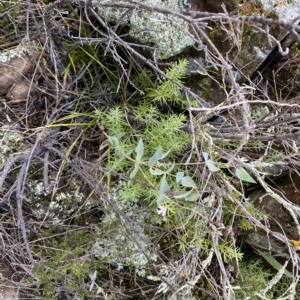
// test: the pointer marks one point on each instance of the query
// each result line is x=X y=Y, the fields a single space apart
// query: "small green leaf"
x=284 y=255
x=118 y=162
x=205 y=155
x=156 y=172
x=179 y=176
x=209 y=163
x=157 y=156
x=135 y=170
x=209 y=200
x=93 y=276
x=171 y=168
x=189 y=158
x=161 y=199
x=184 y=195
x=187 y=181
x=164 y=187
x=188 y=196
x=211 y=166
x=139 y=150
x=242 y=174
x=192 y=197
x=113 y=140
x=103 y=145
x=274 y=263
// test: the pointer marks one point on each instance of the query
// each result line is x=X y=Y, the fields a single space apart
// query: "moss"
x=247 y=48
x=251 y=8
x=63 y=265
x=252 y=278
x=11 y=10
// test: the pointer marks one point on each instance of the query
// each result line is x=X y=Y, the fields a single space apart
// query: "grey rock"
x=168 y=34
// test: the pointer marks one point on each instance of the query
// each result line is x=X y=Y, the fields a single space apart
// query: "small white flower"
x=162 y=211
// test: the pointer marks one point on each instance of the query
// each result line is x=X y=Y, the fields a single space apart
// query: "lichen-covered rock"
x=285 y=9
x=169 y=34
x=15 y=63
x=11 y=141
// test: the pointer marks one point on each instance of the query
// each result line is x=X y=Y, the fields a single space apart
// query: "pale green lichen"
x=167 y=33
x=6 y=56
x=124 y=246
x=10 y=142
x=285 y=9
x=57 y=206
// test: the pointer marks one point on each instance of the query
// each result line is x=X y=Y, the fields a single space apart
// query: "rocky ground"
x=149 y=150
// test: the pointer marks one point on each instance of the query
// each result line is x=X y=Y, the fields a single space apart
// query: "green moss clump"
x=63 y=268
